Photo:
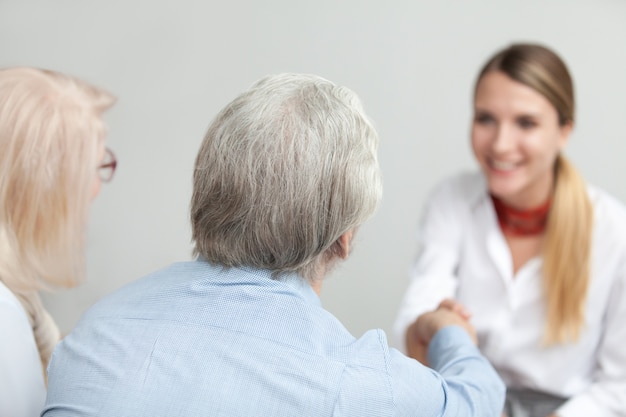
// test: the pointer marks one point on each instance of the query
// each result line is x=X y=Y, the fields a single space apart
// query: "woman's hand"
x=418 y=336
x=455 y=307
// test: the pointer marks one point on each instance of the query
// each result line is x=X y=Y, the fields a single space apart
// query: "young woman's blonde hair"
x=567 y=249
x=51 y=136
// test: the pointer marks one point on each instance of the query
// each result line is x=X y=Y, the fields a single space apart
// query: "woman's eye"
x=525 y=123
x=483 y=119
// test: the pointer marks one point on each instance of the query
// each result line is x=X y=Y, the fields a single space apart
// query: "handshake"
x=420 y=333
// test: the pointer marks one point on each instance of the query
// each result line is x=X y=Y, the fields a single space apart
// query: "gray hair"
x=284 y=170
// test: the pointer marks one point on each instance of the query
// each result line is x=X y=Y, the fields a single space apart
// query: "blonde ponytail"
x=567 y=252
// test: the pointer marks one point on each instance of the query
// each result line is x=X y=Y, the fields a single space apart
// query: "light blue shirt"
x=199 y=340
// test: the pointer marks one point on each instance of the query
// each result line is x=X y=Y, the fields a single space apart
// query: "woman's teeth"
x=503 y=166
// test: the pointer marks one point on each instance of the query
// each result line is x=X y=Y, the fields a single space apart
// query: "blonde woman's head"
x=51 y=142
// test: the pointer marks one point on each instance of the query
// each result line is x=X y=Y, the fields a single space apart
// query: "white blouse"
x=22 y=387
x=463 y=255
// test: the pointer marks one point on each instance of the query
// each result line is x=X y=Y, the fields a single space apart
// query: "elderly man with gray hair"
x=285 y=175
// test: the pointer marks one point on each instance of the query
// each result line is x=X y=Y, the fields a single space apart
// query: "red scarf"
x=518 y=222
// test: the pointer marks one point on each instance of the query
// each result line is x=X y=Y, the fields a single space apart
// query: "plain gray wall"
x=174 y=64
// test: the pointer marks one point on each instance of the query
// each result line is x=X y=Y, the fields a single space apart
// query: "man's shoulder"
x=259 y=337
x=371 y=351
x=146 y=290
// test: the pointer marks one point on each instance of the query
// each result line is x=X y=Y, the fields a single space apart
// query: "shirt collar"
x=293 y=281
x=302 y=287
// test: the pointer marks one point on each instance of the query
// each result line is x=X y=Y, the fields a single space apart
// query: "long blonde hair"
x=567 y=248
x=51 y=133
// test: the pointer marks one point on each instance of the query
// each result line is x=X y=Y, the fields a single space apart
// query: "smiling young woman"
x=516 y=137
x=526 y=250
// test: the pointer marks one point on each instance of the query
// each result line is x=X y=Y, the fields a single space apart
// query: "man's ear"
x=344 y=244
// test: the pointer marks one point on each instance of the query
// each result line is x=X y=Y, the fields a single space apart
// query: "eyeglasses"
x=107 y=168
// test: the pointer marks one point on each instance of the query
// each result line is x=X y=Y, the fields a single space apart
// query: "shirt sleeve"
x=433 y=276
x=461 y=383
x=607 y=395
x=22 y=389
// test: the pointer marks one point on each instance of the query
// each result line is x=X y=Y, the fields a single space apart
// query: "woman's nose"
x=503 y=140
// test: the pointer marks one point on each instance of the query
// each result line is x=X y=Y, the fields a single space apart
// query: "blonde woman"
x=527 y=251
x=52 y=161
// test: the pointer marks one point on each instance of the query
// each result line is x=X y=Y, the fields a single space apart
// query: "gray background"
x=174 y=64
